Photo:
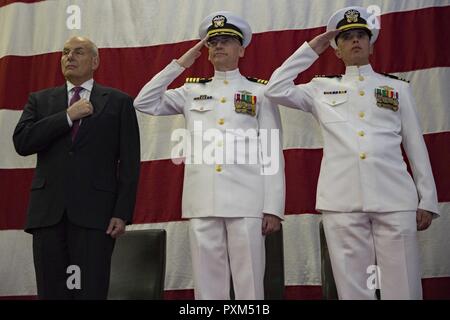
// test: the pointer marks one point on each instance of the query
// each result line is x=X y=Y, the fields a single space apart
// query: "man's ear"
x=209 y=54
x=337 y=52
x=95 y=62
x=241 y=52
x=371 y=49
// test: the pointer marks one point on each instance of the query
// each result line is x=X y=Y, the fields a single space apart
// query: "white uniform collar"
x=355 y=71
x=227 y=75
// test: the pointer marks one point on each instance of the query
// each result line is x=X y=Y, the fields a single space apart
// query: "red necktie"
x=75 y=98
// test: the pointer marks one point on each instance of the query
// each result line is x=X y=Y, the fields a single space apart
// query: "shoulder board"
x=328 y=76
x=198 y=80
x=394 y=77
x=257 y=80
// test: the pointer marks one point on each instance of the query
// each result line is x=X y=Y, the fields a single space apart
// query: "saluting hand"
x=320 y=43
x=192 y=54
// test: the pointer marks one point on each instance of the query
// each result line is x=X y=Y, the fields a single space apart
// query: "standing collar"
x=364 y=70
x=227 y=75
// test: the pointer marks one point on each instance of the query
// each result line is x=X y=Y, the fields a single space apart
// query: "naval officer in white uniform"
x=231 y=203
x=372 y=207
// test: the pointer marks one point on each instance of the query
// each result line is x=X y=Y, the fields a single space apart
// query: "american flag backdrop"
x=137 y=38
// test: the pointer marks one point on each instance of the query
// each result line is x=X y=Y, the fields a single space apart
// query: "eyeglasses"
x=222 y=40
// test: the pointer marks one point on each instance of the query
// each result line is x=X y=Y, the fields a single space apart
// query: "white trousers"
x=221 y=244
x=359 y=241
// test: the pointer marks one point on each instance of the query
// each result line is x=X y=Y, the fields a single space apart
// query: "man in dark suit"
x=83 y=192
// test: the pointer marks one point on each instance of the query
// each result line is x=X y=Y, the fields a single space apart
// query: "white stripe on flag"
x=119 y=23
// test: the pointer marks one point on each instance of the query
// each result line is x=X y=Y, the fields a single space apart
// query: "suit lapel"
x=58 y=103
x=98 y=99
x=58 y=99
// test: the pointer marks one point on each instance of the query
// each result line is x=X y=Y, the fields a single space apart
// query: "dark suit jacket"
x=93 y=178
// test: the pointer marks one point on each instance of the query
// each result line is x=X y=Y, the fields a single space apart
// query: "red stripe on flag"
x=159 y=192
x=433 y=289
x=187 y=294
x=21 y=75
x=161 y=185
x=290 y=293
x=438 y=145
x=303 y=293
x=6 y=2
x=302 y=168
x=14 y=194
x=436 y=288
x=413 y=33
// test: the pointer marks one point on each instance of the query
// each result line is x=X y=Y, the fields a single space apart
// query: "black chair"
x=274 y=272
x=138 y=266
x=274 y=275
x=329 y=291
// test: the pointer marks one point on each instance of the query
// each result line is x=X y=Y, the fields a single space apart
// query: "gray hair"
x=92 y=46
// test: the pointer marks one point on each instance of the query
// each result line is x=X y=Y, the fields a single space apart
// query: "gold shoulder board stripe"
x=257 y=80
x=197 y=80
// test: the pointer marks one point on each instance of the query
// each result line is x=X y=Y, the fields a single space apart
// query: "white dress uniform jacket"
x=362 y=167
x=216 y=189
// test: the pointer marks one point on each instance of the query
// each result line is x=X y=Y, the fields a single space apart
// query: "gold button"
x=361 y=93
x=362 y=155
x=218 y=168
x=333 y=102
x=361 y=114
x=225 y=81
x=361 y=78
x=223 y=100
x=221 y=121
x=219 y=143
x=361 y=133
